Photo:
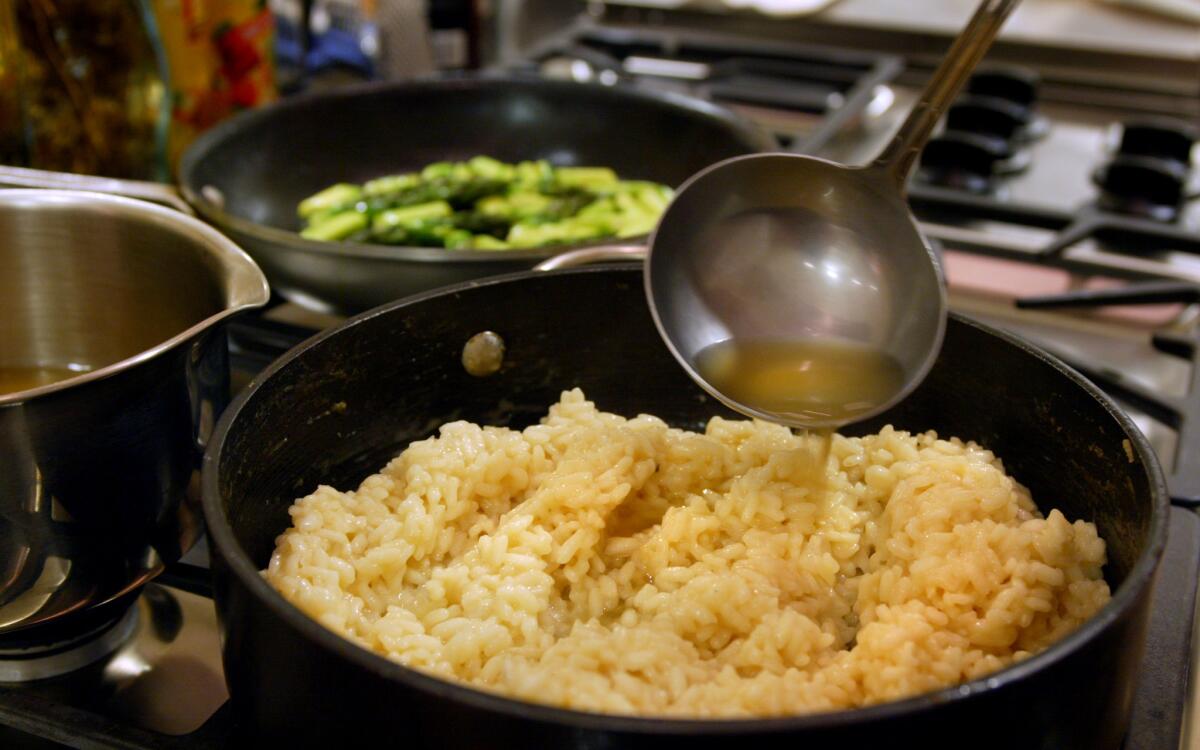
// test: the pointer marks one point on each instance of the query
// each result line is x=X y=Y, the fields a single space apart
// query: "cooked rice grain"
x=619 y=565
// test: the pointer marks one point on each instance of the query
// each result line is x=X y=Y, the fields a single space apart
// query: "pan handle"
x=155 y=192
x=586 y=255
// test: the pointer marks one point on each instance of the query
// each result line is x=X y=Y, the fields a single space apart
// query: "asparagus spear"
x=484 y=203
x=336 y=227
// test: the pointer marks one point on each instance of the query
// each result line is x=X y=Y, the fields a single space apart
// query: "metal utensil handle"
x=956 y=67
x=154 y=192
x=586 y=255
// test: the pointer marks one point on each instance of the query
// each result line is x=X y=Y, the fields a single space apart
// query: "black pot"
x=397 y=371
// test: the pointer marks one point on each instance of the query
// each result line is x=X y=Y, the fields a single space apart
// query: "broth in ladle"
x=814 y=381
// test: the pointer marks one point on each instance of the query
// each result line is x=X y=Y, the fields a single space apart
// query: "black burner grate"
x=833 y=87
x=1126 y=234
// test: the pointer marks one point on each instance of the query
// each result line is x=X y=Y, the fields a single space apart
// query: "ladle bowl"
x=773 y=247
x=791 y=250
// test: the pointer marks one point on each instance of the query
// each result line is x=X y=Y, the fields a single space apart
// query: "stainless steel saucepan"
x=113 y=370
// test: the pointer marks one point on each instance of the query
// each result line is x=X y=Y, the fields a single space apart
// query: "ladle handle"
x=968 y=49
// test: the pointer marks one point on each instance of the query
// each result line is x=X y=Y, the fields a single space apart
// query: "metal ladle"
x=798 y=250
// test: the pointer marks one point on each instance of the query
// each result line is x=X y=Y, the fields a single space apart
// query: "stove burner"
x=1019 y=87
x=963 y=161
x=1144 y=186
x=1160 y=138
x=30 y=661
x=989 y=115
x=1148 y=174
x=985 y=132
x=1016 y=84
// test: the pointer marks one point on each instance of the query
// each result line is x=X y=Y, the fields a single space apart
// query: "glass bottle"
x=83 y=88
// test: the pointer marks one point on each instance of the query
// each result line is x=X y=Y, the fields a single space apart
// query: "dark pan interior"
x=341 y=408
x=265 y=162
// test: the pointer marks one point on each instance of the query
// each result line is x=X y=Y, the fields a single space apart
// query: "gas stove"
x=1075 y=224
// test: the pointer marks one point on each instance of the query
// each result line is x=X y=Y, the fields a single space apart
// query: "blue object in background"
x=340 y=36
x=315 y=37
x=341 y=48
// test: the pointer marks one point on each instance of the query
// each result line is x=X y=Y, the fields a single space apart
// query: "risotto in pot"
x=619 y=565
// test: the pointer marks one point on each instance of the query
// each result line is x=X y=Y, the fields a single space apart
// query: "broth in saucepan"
x=16 y=379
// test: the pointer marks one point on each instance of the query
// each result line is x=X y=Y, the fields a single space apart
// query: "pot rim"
x=245 y=286
x=293 y=242
x=234 y=556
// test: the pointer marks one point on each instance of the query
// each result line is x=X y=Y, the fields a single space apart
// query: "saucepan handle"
x=586 y=255
x=155 y=192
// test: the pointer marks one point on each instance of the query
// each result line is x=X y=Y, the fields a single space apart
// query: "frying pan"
x=247 y=175
x=396 y=374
